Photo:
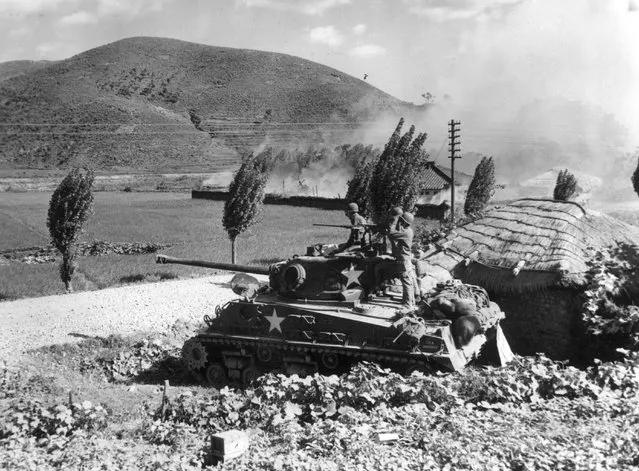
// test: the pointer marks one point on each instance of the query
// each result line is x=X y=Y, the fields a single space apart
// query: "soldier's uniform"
x=401 y=239
x=400 y=235
x=357 y=231
x=357 y=227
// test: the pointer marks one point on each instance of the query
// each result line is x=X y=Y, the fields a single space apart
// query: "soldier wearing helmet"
x=400 y=234
x=358 y=224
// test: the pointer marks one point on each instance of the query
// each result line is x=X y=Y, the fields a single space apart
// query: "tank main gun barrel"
x=162 y=259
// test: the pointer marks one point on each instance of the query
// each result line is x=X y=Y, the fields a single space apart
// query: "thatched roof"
x=551 y=241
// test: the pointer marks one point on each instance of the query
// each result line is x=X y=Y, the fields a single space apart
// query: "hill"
x=14 y=68
x=155 y=103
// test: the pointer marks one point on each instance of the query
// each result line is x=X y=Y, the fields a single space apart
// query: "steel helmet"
x=396 y=211
x=407 y=218
x=353 y=208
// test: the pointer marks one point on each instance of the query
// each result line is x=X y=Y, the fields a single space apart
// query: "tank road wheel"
x=330 y=360
x=264 y=354
x=216 y=375
x=250 y=374
x=422 y=368
x=194 y=355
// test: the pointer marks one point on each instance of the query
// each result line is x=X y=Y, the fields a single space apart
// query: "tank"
x=320 y=313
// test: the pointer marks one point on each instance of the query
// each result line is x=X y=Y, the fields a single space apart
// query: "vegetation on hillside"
x=148 y=102
x=70 y=207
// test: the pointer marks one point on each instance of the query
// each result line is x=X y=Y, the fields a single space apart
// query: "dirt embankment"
x=31 y=323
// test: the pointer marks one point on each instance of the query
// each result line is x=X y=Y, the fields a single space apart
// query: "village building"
x=532 y=256
x=437 y=182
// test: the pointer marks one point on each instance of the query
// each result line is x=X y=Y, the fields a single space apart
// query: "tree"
x=397 y=179
x=358 y=187
x=246 y=196
x=481 y=188
x=70 y=206
x=566 y=186
x=365 y=159
x=428 y=96
x=635 y=175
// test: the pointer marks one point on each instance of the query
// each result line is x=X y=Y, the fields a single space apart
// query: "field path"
x=31 y=323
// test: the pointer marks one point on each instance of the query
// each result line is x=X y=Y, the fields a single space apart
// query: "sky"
x=491 y=55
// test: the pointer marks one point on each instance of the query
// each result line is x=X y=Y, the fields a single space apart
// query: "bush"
x=32 y=419
x=566 y=186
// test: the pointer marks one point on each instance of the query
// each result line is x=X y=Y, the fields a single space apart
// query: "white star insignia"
x=352 y=276
x=274 y=321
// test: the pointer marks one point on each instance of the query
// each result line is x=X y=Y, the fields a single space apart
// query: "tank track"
x=243 y=359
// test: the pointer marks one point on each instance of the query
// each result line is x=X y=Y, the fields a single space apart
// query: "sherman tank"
x=319 y=312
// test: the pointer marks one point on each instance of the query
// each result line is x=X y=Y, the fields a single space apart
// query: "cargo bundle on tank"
x=319 y=312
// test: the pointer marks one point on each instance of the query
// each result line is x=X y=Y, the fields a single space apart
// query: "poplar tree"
x=359 y=186
x=397 y=178
x=481 y=188
x=635 y=178
x=565 y=187
x=70 y=206
x=245 y=198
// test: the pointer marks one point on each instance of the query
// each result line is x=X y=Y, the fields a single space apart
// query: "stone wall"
x=546 y=321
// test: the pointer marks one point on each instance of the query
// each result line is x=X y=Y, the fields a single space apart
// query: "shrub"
x=566 y=186
x=32 y=419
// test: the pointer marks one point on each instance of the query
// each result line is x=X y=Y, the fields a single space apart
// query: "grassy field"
x=192 y=227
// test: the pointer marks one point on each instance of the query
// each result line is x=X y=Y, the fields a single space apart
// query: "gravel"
x=26 y=324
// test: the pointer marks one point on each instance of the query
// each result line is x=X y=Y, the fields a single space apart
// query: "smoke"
x=549 y=83
x=541 y=85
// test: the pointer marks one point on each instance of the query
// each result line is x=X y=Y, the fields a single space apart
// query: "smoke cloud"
x=550 y=83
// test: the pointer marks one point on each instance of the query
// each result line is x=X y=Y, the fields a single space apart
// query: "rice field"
x=192 y=227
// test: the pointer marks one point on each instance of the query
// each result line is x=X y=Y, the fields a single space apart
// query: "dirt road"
x=30 y=323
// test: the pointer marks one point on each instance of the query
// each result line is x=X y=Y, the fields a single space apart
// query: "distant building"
x=436 y=188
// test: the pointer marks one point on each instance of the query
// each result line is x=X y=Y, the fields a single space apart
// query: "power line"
x=440 y=149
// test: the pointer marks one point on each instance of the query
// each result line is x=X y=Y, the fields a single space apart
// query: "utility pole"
x=454 y=146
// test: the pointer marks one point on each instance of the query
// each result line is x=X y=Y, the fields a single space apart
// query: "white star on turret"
x=274 y=321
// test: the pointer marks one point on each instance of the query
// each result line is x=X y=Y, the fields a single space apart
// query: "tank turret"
x=346 y=276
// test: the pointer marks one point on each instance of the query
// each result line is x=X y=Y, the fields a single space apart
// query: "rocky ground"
x=31 y=323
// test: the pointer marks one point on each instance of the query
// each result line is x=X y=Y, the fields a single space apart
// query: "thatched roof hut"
x=532 y=256
x=551 y=242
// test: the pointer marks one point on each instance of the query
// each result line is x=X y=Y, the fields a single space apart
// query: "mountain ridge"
x=148 y=102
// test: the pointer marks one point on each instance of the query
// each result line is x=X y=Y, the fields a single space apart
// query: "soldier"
x=358 y=225
x=400 y=234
